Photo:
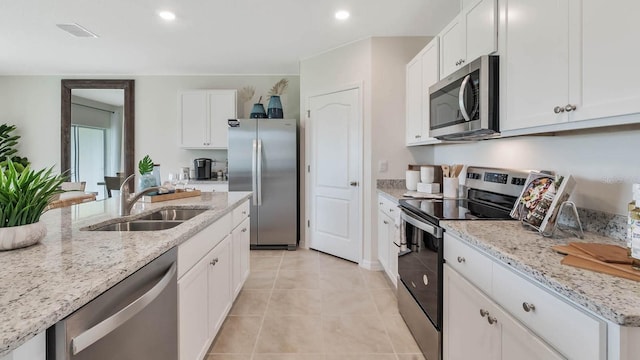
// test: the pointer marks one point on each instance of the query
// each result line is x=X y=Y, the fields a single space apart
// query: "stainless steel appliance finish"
x=263 y=158
x=135 y=319
x=491 y=194
x=464 y=106
x=202 y=168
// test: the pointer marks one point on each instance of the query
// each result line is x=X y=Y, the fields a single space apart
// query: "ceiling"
x=207 y=37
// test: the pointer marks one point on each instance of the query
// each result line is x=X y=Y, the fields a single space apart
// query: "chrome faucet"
x=126 y=204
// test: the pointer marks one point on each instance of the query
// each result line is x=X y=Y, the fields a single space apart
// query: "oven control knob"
x=425 y=279
x=461 y=259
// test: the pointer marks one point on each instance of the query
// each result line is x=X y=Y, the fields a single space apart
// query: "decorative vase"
x=146 y=181
x=274 y=110
x=16 y=237
x=257 y=112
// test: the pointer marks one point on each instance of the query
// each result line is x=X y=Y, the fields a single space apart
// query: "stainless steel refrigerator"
x=263 y=158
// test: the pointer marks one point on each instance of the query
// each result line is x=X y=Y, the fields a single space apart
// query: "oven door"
x=420 y=286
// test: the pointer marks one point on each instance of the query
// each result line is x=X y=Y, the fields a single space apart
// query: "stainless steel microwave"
x=464 y=105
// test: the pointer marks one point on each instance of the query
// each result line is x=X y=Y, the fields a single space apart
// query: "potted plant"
x=24 y=197
x=147 y=180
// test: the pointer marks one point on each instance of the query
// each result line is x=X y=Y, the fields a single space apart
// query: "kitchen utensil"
x=604 y=252
x=455 y=170
x=412 y=177
x=450 y=187
x=445 y=170
x=427 y=174
x=586 y=261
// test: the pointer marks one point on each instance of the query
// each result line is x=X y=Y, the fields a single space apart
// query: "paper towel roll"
x=412 y=178
x=426 y=174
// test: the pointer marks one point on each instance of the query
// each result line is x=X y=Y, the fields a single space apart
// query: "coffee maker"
x=202 y=168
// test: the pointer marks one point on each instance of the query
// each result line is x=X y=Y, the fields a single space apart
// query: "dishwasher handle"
x=102 y=329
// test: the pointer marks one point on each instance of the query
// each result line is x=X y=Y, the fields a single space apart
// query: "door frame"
x=307 y=159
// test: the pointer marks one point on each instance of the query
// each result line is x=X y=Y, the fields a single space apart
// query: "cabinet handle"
x=381 y=203
x=570 y=107
x=390 y=210
x=214 y=262
x=418 y=136
x=457 y=62
x=558 y=109
x=484 y=312
x=385 y=222
x=461 y=259
x=244 y=230
x=528 y=307
x=244 y=213
x=491 y=319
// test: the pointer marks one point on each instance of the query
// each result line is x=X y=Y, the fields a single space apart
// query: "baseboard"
x=371 y=265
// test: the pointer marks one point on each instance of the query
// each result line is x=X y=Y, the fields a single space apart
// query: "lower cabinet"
x=476 y=328
x=33 y=349
x=240 y=237
x=388 y=238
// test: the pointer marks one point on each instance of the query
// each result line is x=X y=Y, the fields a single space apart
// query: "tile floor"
x=306 y=305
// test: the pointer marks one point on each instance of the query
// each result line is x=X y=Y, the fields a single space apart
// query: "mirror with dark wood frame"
x=128 y=156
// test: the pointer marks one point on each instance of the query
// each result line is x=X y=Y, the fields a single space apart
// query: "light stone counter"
x=43 y=284
x=613 y=298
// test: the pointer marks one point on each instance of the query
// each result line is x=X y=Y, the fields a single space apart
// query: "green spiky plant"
x=24 y=196
x=7 y=150
x=145 y=166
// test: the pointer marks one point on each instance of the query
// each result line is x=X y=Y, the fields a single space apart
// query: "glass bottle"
x=633 y=215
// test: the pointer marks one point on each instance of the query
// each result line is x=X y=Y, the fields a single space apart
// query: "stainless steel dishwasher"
x=135 y=319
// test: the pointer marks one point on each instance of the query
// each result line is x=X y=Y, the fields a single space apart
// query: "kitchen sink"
x=173 y=214
x=141 y=225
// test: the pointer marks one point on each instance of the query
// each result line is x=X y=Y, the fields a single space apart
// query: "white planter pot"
x=16 y=237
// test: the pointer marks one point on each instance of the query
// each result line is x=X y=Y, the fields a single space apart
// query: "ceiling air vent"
x=77 y=30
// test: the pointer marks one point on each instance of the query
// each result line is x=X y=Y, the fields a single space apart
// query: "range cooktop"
x=454 y=209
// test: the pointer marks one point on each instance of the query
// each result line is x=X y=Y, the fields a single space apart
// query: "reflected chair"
x=112 y=183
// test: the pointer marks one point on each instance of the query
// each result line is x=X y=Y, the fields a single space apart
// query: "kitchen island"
x=43 y=284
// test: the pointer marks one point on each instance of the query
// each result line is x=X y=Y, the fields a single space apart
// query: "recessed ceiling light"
x=342 y=15
x=167 y=15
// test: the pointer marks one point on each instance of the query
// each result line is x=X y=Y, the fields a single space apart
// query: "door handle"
x=463 y=88
x=353 y=183
x=114 y=321
x=254 y=175
x=259 y=172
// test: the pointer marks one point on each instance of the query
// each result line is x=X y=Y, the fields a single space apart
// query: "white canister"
x=450 y=187
x=426 y=174
x=412 y=178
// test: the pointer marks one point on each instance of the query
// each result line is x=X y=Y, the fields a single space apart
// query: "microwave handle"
x=463 y=89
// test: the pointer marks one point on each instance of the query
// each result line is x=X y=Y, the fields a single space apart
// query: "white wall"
x=603 y=161
x=33 y=104
x=378 y=65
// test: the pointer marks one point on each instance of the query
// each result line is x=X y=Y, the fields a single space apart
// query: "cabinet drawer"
x=468 y=262
x=240 y=213
x=574 y=333
x=201 y=243
x=388 y=207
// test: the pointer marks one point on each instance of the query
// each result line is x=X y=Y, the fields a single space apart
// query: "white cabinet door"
x=414 y=101
x=34 y=349
x=219 y=285
x=481 y=29
x=467 y=333
x=193 y=119
x=392 y=270
x=452 y=47
x=245 y=249
x=535 y=67
x=193 y=312
x=430 y=75
x=384 y=222
x=520 y=343
x=222 y=107
x=240 y=238
x=609 y=60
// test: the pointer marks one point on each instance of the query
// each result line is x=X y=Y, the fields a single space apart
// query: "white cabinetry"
x=422 y=72
x=388 y=237
x=487 y=332
x=241 y=237
x=33 y=349
x=473 y=33
x=203 y=116
x=219 y=285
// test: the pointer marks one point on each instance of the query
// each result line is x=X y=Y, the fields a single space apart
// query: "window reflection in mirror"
x=96 y=136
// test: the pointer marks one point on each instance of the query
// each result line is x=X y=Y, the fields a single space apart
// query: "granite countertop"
x=615 y=299
x=203 y=182
x=392 y=193
x=44 y=283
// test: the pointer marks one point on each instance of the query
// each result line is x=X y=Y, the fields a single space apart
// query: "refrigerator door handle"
x=254 y=175
x=259 y=177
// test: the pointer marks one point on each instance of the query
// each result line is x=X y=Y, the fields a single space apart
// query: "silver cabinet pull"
x=484 y=312
x=214 y=262
x=418 y=136
x=570 y=107
x=244 y=230
x=390 y=210
x=385 y=222
x=528 y=307
x=244 y=212
x=106 y=326
x=492 y=320
x=353 y=183
x=381 y=203
x=558 y=109
x=461 y=259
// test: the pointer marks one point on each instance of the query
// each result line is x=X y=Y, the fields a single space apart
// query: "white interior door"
x=335 y=174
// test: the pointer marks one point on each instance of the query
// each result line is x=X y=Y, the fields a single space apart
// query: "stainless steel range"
x=491 y=194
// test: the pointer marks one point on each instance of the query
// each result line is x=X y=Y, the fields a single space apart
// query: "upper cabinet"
x=473 y=33
x=422 y=72
x=566 y=62
x=203 y=118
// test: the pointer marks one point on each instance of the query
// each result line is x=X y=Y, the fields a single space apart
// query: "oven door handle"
x=461 y=93
x=435 y=231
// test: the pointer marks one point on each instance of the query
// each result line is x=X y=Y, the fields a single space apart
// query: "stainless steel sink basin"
x=173 y=214
x=140 y=225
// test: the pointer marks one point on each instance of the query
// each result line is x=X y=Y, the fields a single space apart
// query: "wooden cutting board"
x=173 y=196
x=604 y=252
x=580 y=259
